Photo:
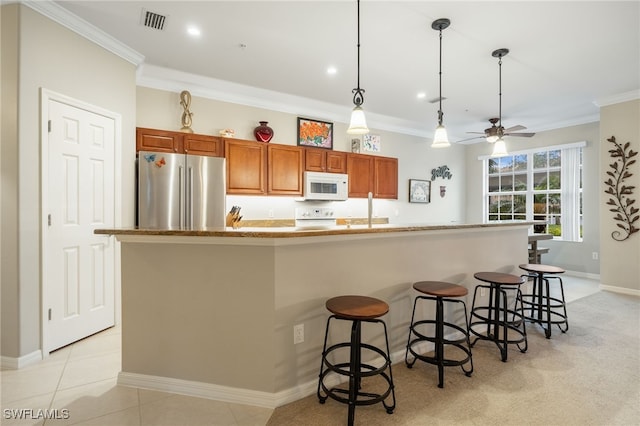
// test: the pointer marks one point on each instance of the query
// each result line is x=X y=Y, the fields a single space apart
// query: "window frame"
x=566 y=201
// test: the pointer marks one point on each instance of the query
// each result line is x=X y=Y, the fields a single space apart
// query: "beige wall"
x=620 y=259
x=57 y=59
x=9 y=171
x=572 y=256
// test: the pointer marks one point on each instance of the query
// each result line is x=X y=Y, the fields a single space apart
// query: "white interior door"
x=79 y=266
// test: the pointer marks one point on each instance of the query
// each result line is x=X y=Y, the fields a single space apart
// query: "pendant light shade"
x=499 y=149
x=440 y=138
x=358 y=124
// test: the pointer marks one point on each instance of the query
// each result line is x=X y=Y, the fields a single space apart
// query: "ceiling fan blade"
x=470 y=139
x=514 y=128
x=524 y=135
x=476 y=133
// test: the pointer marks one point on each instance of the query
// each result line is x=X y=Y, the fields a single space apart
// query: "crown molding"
x=619 y=98
x=68 y=20
x=161 y=78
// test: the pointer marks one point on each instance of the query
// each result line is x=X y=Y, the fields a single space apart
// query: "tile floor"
x=81 y=378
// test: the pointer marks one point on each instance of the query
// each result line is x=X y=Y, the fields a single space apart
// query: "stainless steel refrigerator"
x=179 y=191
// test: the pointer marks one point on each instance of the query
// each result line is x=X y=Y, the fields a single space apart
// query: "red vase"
x=263 y=133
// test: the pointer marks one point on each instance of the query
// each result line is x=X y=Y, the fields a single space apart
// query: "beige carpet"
x=588 y=376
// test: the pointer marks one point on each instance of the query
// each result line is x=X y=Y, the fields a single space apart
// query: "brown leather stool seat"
x=358 y=310
x=433 y=330
x=542 y=307
x=496 y=320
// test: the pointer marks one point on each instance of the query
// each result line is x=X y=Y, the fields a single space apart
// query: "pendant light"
x=440 y=138
x=358 y=124
x=499 y=147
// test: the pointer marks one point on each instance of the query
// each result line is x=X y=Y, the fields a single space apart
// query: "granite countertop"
x=293 y=232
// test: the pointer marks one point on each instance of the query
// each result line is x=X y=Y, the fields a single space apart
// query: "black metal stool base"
x=356 y=371
x=544 y=309
x=497 y=322
x=462 y=345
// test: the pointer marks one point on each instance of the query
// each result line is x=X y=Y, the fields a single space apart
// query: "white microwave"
x=326 y=186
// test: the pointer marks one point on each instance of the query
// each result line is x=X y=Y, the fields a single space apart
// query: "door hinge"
x=49 y=219
x=49 y=314
x=49 y=126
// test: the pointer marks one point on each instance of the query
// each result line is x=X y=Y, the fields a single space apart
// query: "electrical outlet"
x=298 y=334
x=271 y=213
x=594 y=255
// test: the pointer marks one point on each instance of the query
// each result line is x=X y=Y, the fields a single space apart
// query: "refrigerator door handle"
x=181 y=196
x=190 y=197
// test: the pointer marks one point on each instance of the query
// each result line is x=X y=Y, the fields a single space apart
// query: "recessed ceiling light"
x=332 y=70
x=421 y=95
x=193 y=31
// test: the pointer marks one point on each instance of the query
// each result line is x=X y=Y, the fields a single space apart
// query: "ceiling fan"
x=494 y=133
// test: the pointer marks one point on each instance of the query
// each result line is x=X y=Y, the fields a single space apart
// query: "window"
x=544 y=184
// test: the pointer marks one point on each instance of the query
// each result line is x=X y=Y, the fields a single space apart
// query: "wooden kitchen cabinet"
x=178 y=142
x=255 y=168
x=246 y=167
x=385 y=177
x=375 y=174
x=319 y=160
x=284 y=169
x=212 y=146
x=159 y=140
x=360 y=171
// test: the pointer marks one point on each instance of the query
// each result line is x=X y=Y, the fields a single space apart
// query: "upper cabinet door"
x=158 y=140
x=315 y=160
x=336 y=162
x=385 y=178
x=285 y=167
x=211 y=146
x=360 y=171
x=246 y=167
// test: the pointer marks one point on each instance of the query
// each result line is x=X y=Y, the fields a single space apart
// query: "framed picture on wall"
x=315 y=133
x=419 y=191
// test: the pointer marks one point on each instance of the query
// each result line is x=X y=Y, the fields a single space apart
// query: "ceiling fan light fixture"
x=358 y=123
x=492 y=138
x=440 y=137
x=499 y=149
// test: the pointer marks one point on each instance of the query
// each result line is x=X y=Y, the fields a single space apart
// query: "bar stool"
x=492 y=322
x=440 y=292
x=358 y=310
x=545 y=309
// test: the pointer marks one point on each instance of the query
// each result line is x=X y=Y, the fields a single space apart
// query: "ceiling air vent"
x=153 y=20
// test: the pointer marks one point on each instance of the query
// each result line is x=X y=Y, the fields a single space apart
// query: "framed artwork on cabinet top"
x=419 y=191
x=315 y=133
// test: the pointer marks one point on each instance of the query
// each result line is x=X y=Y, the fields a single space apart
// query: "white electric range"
x=315 y=218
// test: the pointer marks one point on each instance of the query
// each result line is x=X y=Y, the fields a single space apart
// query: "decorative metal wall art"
x=622 y=205
x=185 y=101
x=442 y=171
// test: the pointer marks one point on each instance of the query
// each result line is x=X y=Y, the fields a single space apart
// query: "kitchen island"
x=211 y=313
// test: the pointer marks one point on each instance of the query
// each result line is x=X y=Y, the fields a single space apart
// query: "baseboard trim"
x=621 y=290
x=11 y=363
x=583 y=275
x=236 y=395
